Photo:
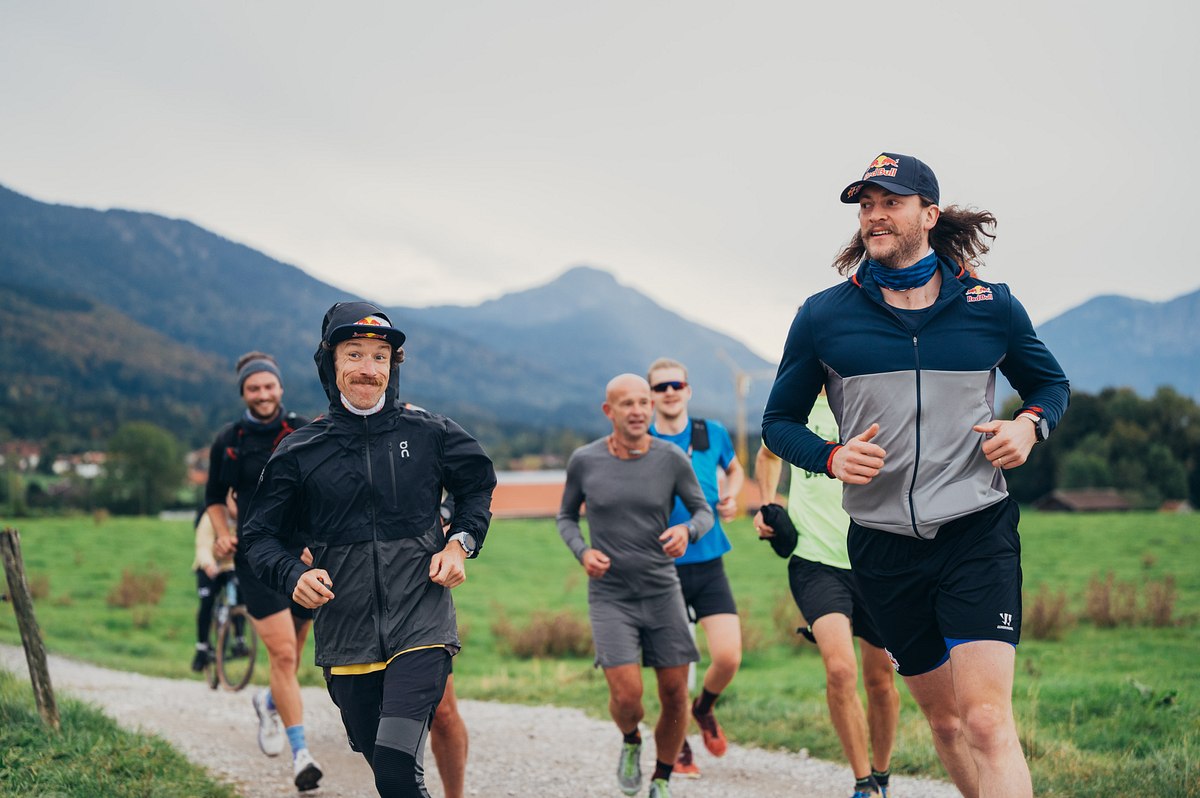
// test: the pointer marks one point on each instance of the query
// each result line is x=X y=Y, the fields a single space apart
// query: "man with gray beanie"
x=362 y=487
x=236 y=460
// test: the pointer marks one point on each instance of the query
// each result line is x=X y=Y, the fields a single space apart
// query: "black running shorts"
x=260 y=600
x=821 y=589
x=392 y=707
x=965 y=584
x=706 y=589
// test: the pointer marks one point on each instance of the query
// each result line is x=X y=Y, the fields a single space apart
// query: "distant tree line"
x=1148 y=449
x=143 y=475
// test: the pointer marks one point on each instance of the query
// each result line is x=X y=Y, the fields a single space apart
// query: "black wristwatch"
x=1041 y=427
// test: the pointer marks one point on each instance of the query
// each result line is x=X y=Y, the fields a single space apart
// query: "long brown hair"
x=959 y=236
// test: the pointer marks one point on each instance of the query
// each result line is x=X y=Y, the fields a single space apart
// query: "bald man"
x=629 y=481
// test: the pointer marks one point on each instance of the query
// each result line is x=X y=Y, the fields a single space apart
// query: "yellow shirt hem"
x=371 y=667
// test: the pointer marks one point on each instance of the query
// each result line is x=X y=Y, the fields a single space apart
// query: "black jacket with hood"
x=363 y=493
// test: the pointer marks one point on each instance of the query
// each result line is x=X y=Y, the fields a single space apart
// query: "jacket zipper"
x=374 y=546
x=912 y=485
x=392 y=468
x=937 y=306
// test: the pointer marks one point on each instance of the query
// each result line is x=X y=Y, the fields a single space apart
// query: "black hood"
x=338 y=318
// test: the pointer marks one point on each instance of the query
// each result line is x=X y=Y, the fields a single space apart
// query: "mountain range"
x=113 y=315
x=1119 y=341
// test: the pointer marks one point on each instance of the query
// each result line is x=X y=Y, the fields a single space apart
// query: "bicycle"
x=235 y=644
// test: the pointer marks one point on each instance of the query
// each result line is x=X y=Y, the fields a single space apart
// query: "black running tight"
x=387 y=715
x=208 y=589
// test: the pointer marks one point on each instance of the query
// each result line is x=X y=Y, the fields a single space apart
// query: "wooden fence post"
x=35 y=650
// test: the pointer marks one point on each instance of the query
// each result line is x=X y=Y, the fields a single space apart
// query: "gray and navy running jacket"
x=926 y=387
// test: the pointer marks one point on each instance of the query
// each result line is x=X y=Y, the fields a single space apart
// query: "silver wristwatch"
x=467 y=541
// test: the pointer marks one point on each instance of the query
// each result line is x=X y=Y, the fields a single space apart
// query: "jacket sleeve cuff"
x=297 y=571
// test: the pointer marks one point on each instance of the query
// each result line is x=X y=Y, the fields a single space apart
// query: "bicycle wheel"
x=210 y=667
x=236 y=654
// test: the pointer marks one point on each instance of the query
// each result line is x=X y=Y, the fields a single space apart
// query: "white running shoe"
x=307 y=771
x=271 y=737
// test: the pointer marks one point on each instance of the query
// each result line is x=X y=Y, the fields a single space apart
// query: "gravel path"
x=543 y=752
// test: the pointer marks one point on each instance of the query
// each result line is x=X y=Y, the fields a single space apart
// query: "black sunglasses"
x=663 y=386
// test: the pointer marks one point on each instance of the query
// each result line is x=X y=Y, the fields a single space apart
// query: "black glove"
x=784 y=539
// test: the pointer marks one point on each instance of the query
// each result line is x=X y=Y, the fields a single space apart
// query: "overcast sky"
x=428 y=153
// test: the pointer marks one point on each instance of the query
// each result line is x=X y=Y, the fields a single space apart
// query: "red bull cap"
x=899 y=174
x=359 y=320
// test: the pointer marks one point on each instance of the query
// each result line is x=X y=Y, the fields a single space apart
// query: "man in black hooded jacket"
x=362 y=488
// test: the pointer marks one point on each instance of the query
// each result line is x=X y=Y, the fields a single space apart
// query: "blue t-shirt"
x=719 y=454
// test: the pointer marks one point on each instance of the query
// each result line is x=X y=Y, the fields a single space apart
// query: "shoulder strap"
x=231 y=438
x=699 y=435
x=288 y=424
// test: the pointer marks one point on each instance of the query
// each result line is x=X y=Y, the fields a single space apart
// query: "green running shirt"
x=815 y=502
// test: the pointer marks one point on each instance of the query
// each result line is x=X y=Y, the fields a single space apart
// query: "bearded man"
x=907 y=350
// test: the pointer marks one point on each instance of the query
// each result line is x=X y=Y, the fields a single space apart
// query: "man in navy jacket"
x=908 y=349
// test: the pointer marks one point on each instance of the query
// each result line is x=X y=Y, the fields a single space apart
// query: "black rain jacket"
x=363 y=493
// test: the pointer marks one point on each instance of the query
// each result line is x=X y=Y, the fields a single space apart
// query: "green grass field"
x=1102 y=711
x=91 y=756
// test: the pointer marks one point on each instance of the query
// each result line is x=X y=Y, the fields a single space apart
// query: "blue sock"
x=296 y=739
x=270 y=700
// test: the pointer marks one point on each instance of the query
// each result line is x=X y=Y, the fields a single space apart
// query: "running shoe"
x=873 y=790
x=710 y=730
x=202 y=658
x=307 y=771
x=629 y=768
x=660 y=788
x=685 y=764
x=240 y=649
x=271 y=737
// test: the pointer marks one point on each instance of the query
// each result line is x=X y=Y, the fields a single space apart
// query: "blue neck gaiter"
x=914 y=276
x=255 y=424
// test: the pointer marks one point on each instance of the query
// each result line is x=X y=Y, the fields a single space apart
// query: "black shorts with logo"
x=965 y=584
x=821 y=589
x=706 y=589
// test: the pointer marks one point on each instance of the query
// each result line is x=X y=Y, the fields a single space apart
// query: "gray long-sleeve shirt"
x=628 y=506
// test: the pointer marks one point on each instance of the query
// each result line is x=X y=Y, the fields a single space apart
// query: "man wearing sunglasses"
x=701 y=570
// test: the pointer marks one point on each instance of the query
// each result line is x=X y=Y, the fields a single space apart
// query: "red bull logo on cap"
x=369 y=321
x=980 y=293
x=882 y=166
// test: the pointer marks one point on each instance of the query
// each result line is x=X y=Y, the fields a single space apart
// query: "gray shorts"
x=657 y=626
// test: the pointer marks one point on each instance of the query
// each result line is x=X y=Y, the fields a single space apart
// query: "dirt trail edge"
x=545 y=752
